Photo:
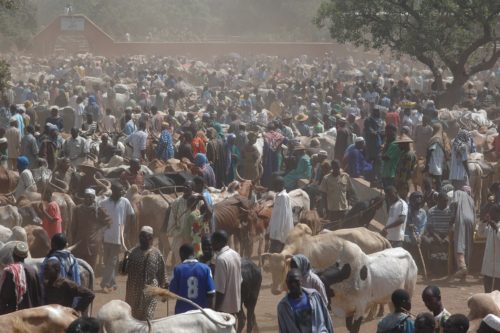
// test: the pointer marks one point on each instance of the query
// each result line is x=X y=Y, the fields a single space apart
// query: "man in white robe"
x=281 y=222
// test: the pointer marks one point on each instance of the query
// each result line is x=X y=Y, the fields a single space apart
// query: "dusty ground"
x=454 y=296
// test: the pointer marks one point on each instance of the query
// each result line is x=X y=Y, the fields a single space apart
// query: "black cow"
x=250 y=288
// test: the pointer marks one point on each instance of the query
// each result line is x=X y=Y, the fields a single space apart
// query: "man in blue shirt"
x=192 y=280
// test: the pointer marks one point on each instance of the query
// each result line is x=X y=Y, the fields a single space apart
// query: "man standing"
x=13 y=136
x=338 y=192
x=373 y=136
x=302 y=309
x=390 y=156
x=89 y=220
x=491 y=258
x=431 y=296
x=134 y=175
x=406 y=165
x=145 y=267
x=459 y=169
x=137 y=141
x=29 y=147
x=178 y=217
x=74 y=148
x=21 y=288
x=344 y=139
x=227 y=275
x=400 y=320
x=281 y=222
x=192 y=280
x=301 y=171
x=394 y=230
x=121 y=212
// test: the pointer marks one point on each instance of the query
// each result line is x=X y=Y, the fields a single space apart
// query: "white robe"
x=281 y=222
x=491 y=259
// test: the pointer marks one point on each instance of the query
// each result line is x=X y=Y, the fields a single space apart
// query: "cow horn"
x=237 y=176
x=102 y=182
x=72 y=247
x=62 y=189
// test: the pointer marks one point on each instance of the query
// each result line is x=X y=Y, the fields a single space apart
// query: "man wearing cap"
x=26 y=181
x=357 y=165
x=122 y=217
x=489 y=324
x=146 y=267
x=287 y=127
x=87 y=227
x=338 y=192
x=301 y=171
x=74 y=148
x=13 y=136
x=21 y=287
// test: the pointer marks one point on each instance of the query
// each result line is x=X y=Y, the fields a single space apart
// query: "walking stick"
x=420 y=254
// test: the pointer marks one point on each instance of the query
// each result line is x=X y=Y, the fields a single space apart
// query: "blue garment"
x=69 y=265
x=192 y=280
x=304 y=129
x=357 y=165
x=4 y=117
x=129 y=127
x=390 y=323
x=92 y=108
x=302 y=310
x=20 y=123
x=165 y=147
x=22 y=163
x=417 y=220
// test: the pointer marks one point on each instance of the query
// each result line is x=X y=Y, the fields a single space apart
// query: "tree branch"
x=485 y=64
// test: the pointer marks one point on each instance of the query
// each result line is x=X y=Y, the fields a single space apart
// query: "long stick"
x=420 y=254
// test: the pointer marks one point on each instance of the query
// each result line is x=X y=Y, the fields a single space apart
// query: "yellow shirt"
x=336 y=189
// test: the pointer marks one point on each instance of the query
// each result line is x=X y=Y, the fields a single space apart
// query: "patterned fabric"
x=147 y=268
x=19 y=276
x=165 y=147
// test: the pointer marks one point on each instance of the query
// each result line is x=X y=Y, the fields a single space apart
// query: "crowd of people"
x=266 y=119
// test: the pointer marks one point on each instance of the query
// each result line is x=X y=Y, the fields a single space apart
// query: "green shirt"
x=389 y=166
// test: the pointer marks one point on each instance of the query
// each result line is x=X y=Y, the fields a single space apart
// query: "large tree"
x=460 y=36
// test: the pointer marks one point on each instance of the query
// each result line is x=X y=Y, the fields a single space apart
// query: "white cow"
x=360 y=281
x=9 y=216
x=116 y=318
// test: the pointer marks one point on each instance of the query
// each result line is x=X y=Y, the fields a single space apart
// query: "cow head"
x=278 y=265
x=113 y=311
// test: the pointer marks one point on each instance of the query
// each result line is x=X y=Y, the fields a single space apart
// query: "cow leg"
x=241 y=320
x=259 y=248
x=380 y=310
x=164 y=244
x=356 y=325
x=348 y=323
x=371 y=313
x=252 y=321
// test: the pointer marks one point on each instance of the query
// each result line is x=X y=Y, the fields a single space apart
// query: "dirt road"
x=454 y=297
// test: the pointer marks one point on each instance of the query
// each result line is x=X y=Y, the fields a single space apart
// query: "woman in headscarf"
x=26 y=181
x=205 y=170
x=460 y=150
x=233 y=157
x=93 y=108
x=165 y=147
x=309 y=279
x=216 y=155
x=462 y=209
x=438 y=153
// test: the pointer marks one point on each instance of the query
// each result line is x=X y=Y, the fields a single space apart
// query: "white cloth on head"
x=147 y=229
x=90 y=191
x=281 y=222
x=492 y=321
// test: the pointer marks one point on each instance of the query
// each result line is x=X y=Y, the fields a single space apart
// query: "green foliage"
x=17 y=23
x=457 y=34
x=192 y=20
x=4 y=74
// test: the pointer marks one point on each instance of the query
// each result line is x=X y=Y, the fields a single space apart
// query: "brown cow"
x=38 y=241
x=43 y=319
x=8 y=180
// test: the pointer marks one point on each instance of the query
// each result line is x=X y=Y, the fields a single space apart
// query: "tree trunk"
x=452 y=94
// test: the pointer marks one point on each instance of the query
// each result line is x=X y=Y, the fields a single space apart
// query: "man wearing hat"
x=21 y=287
x=146 y=267
x=301 y=171
x=357 y=165
x=89 y=221
x=302 y=127
x=287 y=127
x=13 y=136
x=405 y=167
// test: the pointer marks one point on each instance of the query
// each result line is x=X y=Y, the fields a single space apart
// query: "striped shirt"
x=439 y=219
